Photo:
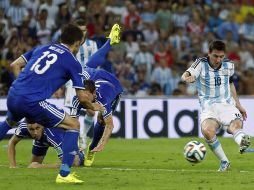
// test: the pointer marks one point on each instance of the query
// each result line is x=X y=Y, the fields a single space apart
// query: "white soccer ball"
x=194 y=151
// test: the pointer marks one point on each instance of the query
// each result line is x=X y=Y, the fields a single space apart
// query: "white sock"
x=238 y=135
x=216 y=147
x=88 y=123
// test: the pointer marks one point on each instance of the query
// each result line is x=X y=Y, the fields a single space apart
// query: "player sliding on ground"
x=220 y=106
x=43 y=139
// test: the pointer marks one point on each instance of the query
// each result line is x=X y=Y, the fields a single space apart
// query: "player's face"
x=76 y=47
x=35 y=130
x=91 y=96
x=84 y=30
x=216 y=57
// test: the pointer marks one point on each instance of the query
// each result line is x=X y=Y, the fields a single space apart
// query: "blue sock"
x=4 y=128
x=97 y=134
x=99 y=57
x=70 y=149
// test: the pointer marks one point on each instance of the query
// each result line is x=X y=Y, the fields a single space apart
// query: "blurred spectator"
x=155 y=90
x=161 y=73
x=43 y=28
x=137 y=34
x=178 y=38
x=132 y=16
x=131 y=46
x=164 y=16
x=63 y=16
x=229 y=26
x=146 y=58
x=246 y=29
x=151 y=35
x=51 y=8
x=147 y=15
x=16 y=12
x=164 y=53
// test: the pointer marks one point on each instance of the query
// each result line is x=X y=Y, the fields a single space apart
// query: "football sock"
x=216 y=147
x=238 y=135
x=97 y=134
x=4 y=128
x=88 y=121
x=70 y=149
x=99 y=57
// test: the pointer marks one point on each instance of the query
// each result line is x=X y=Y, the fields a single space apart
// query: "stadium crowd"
x=160 y=39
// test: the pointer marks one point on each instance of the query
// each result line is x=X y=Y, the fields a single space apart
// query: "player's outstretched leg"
x=70 y=149
x=115 y=34
x=242 y=139
x=97 y=134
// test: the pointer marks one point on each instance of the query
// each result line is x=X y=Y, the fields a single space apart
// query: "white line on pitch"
x=161 y=170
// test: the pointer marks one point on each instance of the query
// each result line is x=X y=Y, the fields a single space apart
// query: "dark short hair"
x=71 y=33
x=80 y=22
x=89 y=85
x=217 y=45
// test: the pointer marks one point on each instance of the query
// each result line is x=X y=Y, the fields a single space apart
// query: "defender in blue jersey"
x=108 y=92
x=46 y=69
x=90 y=56
x=43 y=139
x=220 y=106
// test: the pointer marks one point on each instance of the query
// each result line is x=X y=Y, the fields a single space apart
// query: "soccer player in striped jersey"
x=220 y=106
x=89 y=56
x=43 y=139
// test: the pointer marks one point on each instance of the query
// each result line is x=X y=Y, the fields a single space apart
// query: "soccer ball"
x=194 y=151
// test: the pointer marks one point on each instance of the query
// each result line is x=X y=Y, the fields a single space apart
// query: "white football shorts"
x=223 y=113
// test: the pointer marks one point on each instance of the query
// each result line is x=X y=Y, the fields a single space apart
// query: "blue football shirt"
x=48 y=68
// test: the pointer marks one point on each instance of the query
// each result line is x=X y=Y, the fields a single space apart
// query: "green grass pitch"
x=135 y=164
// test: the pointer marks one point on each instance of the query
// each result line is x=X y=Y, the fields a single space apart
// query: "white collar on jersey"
x=65 y=46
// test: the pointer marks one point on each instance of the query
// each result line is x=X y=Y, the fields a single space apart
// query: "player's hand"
x=243 y=112
x=190 y=79
x=98 y=148
x=98 y=107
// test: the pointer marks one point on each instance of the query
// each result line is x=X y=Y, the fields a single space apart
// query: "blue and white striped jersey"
x=86 y=50
x=51 y=137
x=213 y=85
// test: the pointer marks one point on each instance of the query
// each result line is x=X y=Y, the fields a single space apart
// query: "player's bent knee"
x=235 y=125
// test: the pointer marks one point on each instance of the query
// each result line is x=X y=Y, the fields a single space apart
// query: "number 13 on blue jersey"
x=51 y=59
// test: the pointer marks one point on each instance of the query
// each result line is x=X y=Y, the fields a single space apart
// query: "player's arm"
x=238 y=104
x=187 y=77
x=106 y=134
x=86 y=101
x=12 y=150
x=17 y=66
x=193 y=72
